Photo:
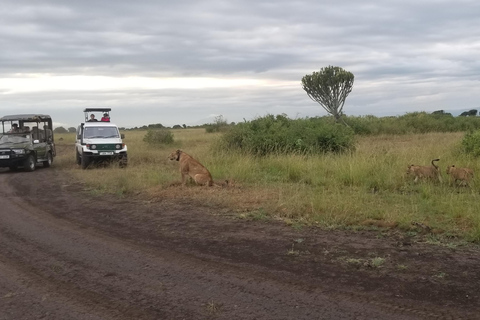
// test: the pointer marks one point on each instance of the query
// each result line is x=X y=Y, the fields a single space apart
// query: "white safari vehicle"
x=99 y=140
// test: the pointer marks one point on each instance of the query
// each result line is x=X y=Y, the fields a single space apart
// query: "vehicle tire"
x=49 y=160
x=29 y=164
x=85 y=161
x=123 y=162
x=78 y=158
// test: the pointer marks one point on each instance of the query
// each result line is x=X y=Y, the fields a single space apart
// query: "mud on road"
x=68 y=255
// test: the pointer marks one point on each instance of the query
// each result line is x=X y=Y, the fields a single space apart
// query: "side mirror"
x=122 y=136
x=79 y=136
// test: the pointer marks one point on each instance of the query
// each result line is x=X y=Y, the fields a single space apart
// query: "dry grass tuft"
x=367 y=188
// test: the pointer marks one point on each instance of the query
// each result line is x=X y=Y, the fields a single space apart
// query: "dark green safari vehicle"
x=26 y=140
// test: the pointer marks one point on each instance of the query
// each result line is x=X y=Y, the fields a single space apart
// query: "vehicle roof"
x=99 y=124
x=97 y=110
x=26 y=117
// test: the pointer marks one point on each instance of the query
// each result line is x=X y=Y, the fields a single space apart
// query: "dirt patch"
x=280 y=272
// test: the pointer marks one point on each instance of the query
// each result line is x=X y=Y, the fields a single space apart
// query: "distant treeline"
x=414 y=122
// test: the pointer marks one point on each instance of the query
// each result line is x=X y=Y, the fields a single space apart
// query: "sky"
x=187 y=62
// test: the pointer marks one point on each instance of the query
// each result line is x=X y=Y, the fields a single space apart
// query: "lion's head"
x=175 y=155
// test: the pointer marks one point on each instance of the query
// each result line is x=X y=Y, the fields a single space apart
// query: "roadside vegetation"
x=364 y=188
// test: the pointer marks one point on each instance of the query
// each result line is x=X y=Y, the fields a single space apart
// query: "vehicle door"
x=39 y=142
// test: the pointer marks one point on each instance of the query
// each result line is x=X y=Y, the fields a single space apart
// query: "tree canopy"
x=329 y=87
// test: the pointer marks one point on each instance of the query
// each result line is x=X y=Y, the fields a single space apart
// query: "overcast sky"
x=185 y=61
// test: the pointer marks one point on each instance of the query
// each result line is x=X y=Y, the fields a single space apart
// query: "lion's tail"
x=433 y=164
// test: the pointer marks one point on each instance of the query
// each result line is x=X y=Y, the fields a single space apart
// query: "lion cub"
x=464 y=175
x=425 y=172
x=191 y=167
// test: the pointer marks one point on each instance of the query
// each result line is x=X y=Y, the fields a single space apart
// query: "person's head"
x=106 y=115
x=15 y=126
x=92 y=116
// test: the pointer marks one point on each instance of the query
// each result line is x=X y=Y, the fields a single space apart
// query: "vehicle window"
x=100 y=132
x=15 y=138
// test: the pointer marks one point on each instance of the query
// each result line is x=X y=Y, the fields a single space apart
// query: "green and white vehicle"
x=99 y=141
x=26 y=140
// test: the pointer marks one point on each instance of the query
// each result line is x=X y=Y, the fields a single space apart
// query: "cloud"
x=181 y=61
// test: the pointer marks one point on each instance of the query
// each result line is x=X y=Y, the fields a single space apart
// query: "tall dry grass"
x=331 y=191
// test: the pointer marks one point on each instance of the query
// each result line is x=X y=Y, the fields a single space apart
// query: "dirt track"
x=73 y=257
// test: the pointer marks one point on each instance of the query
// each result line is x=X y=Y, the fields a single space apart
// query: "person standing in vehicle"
x=92 y=118
x=105 y=118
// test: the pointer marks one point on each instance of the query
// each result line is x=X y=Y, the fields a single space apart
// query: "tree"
x=469 y=113
x=329 y=87
x=72 y=129
x=60 y=130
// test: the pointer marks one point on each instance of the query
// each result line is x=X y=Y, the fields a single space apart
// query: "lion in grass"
x=425 y=172
x=464 y=175
x=189 y=167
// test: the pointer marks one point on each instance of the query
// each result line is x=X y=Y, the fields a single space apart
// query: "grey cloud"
x=398 y=50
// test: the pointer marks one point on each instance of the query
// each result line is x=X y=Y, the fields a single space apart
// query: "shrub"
x=218 y=125
x=471 y=143
x=158 y=136
x=278 y=134
x=414 y=122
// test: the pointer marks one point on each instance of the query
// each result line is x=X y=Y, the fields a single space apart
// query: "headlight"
x=19 y=151
x=91 y=146
x=118 y=146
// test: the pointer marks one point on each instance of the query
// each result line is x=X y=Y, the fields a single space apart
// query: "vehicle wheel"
x=78 y=158
x=85 y=161
x=49 y=160
x=29 y=164
x=123 y=162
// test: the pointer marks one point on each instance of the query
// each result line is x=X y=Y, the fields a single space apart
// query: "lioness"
x=425 y=172
x=191 y=167
x=464 y=175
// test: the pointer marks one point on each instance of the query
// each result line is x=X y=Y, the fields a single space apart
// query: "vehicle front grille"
x=102 y=147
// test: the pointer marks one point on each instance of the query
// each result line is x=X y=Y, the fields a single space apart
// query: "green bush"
x=158 y=136
x=279 y=134
x=218 y=125
x=411 y=123
x=471 y=143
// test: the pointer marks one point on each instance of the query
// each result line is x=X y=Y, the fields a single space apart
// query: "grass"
x=330 y=191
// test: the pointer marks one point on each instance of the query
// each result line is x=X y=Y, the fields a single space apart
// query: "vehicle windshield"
x=15 y=138
x=101 y=132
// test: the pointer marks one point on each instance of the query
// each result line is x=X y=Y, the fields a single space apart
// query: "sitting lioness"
x=464 y=175
x=191 y=167
x=425 y=172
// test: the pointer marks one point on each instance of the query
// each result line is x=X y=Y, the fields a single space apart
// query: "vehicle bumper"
x=105 y=156
x=14 y=160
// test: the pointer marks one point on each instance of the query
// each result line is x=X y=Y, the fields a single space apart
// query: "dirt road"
x=65 y=255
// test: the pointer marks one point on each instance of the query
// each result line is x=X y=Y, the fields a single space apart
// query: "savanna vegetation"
x=359 y=186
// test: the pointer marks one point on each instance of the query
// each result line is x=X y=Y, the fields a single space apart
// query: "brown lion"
x=425 y=172
x=464 y=175
x=191 y=167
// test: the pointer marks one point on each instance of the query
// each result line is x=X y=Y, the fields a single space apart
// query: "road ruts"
x=53 y=268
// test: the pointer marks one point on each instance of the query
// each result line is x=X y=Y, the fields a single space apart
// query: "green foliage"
x=278 y=135
x=471 y=143
x=154 y=126
x=415 y=122
x=219 y=125
x=60 y=130
x=158 y=136
x=329 y=87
